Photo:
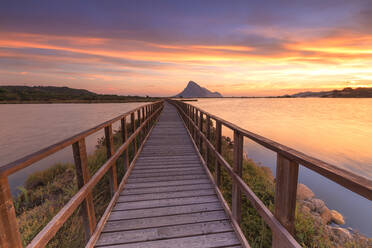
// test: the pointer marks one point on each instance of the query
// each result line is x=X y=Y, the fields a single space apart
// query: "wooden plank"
x=167 y=232
x=164 y=211
x=166 y=178
x=165 y=168
x=285 y=195
x=169 y=183
x=237 y=167
x=165 y=189
x=83 y=176
x=188 y=171
x=166 y=195
x=132 y=224
x=110 y=151
x=9 y=232
x=165 y=202
x=210 y=240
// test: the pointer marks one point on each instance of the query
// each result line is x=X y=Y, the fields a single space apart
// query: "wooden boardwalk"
x=169 y=201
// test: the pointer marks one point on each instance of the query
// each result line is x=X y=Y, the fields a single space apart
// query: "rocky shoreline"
x=330 y=220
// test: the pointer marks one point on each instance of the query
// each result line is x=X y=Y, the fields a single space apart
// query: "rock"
x=337 y=217
x=342 y=233
x=309 y=204
x=326 y=215
x=303 y=192
x=305 y=209
x=318 y=205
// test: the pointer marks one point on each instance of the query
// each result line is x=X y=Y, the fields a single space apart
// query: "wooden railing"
x=288 y=160
x=9 y=232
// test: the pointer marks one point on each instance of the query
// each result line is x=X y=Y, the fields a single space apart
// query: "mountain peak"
x=194 y=90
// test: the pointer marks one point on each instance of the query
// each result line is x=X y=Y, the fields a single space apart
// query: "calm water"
x=28 y=128
x=338 y=131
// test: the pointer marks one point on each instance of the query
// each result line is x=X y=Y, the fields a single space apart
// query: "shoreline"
x=77 y=101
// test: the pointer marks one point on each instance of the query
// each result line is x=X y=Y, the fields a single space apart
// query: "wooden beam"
x=201 y=129
x=110 y=151
x=238 y=168
x=9 y=232
x=133 y=122
x=82 y=174
x=124 y=136
x=218 y=149
x=285 y=195
x=208 y=134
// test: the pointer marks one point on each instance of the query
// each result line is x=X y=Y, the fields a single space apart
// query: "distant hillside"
x=58 y=94
x=194 y=90
x=344 y=93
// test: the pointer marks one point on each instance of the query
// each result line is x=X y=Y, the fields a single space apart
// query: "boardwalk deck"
x=169 y=201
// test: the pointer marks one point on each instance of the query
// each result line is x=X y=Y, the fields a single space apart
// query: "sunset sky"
x=239 y=48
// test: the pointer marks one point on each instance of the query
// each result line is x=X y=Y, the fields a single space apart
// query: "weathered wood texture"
x=168 y=200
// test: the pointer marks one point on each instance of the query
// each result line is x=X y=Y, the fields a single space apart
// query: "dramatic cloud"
x=155 y=47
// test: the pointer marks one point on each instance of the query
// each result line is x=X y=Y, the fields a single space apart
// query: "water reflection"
x=338 y=131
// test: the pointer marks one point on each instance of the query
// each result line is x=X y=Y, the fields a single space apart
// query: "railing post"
x=133 y=122
x=196 y=123
x=238 y=168
x=208 y=137
x=82 y=174
x=124 y=136
x=219 y=149
x=285 y=195
x=110 y=151
x=201 y=130
x=9 y=232
x=139 y=124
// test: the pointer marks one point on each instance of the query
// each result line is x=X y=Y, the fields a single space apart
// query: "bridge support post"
x=208 y=130
x=285 y=195
x=238 y=168
x=110 y=151
x=133 y=122
x=124 y=135
x=219 y=149
x=201 y=130
x=9 y=232
x=83 y=176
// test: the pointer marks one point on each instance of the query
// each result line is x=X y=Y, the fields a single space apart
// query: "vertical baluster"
x=208 y=137
x=133 y=122
x=83 y=176
x=124 y=136
x=219 y=149
x=237 y=167
x=196 y=121
x=9 y=232
x=201 y=130
x=139 y=136
x=285 y=195
x=110 y=151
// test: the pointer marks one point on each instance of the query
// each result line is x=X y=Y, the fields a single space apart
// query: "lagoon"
x=338 y=131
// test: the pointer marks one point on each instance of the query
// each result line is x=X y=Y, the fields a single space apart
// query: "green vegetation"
x=52 y=94
x=46 y=192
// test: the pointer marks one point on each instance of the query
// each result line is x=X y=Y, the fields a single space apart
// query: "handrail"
x=9 y=233
x=288 y=160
